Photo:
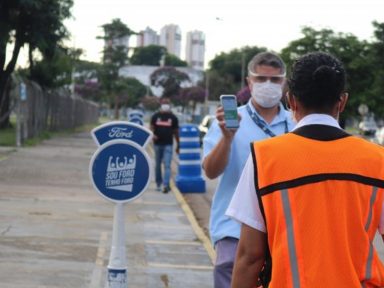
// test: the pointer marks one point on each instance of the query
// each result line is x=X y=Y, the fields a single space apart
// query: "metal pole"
x=117 y=266
x=18 y=117
x=207 y=92
x=242 y=70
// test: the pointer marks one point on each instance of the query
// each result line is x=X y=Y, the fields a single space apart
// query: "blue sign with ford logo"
x=120 y=170
x=121 y=130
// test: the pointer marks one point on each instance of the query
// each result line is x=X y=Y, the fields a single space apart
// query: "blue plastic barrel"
x=136 y=116
x=189 y=178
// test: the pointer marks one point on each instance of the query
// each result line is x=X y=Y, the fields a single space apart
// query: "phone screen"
x=230 y=111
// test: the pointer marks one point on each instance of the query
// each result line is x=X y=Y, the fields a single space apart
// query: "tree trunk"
x=117 y=106
x=4 y=109
x=30 y=58
x=4 y=77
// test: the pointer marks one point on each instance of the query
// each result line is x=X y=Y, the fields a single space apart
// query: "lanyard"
x=261 y=124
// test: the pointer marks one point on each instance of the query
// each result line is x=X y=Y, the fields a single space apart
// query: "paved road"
x=55 y=230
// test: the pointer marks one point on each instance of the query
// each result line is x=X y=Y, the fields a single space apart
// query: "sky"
x=227 y=24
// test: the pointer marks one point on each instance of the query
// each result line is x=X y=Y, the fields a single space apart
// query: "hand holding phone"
x=229 y=104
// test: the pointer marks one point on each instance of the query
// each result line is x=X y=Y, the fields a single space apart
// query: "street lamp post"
x=206 y=92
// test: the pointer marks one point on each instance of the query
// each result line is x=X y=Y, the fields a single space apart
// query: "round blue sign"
x=120 y=170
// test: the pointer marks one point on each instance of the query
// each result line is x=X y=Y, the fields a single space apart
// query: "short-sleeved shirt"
x=244 y=206
x=222 y=226
x=164 y=124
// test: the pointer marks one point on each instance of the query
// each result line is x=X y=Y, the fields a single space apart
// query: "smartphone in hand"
x=229 y=104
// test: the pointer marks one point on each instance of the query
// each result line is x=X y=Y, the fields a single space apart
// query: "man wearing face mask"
x=226 y=151
x=314 y=197
x=165 y=127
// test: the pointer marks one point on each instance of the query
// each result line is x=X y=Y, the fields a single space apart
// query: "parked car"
x=380 y=136
x=368 y=126
x=204 y=126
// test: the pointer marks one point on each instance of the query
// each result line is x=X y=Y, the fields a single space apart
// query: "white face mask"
x=267 y=94
x=165 y=107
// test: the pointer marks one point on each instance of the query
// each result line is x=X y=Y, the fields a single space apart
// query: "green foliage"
x=152 y=55
x=228 y=71
x=355 y=54
x=194 y=94
x=149 y=55
x=115 y=56
x=38 y=23
x=172 y=60
x=150 y=103
x=378 y=69
x=53 y=71
x=8 y=137
x=86 y=70
x=220 y=83
x=170 y=79
x=130 y=91
x=87 y=80
x=115 y=30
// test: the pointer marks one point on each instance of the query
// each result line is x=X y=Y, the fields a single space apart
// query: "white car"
x=368 y=127
x=380 y=136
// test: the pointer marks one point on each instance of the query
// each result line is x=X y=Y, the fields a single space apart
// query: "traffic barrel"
x=189 y=178
x=136 y=116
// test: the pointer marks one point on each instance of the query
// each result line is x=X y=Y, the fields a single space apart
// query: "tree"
x=149 y=55
x=228 y=71
x=218 y=84
x=87 y=83
x=115 y=56
x=243 y=95
x=151 y=102
x=38 y=23
x=193 y=95
x=172 y=60
x=355 y=55
x=153 y=54
x=377 y=91
x=170 y=79
x=55 y=70
x=131 y=91
x=89 y=89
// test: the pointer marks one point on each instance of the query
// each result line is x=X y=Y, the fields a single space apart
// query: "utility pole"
x=206 y=92
x=242 y=70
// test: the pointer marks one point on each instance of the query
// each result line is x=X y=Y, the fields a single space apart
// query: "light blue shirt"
x=221 y=225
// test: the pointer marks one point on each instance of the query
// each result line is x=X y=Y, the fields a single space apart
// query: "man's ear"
x=249 y=83
x=291 y=102
x=343 y=101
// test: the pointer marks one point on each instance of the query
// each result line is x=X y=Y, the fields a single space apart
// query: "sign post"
x=120 y=171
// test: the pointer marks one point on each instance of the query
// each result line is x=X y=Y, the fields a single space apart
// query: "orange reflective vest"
x=321 y=197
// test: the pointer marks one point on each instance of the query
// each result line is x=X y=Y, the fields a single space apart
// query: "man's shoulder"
x=155 y=114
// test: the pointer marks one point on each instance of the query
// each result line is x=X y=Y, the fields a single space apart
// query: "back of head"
x=317 y=81
x=267 y=59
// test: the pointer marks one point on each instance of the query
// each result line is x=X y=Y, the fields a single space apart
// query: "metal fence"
x=38 y=110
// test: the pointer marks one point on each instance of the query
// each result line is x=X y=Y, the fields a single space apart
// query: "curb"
x=195 y=226
x=191 y=218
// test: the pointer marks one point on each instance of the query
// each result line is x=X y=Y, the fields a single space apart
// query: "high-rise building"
x=195 y=49
x=170 y=37
x=147 y=37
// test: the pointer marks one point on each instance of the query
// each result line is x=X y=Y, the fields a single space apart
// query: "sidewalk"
x=55 y=230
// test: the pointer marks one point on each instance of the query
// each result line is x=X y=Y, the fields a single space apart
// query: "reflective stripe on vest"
x=322 y=203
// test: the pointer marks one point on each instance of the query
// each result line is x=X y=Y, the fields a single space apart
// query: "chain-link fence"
x=38 y=110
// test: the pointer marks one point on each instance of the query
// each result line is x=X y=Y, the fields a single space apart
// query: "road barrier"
x=189 y=178
x=137 y=117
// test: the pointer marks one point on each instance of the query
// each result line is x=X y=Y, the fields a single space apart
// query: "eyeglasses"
x=263 y=78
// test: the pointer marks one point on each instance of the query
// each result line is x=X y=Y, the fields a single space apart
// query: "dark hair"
x=317 y=80
x=267 y=59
